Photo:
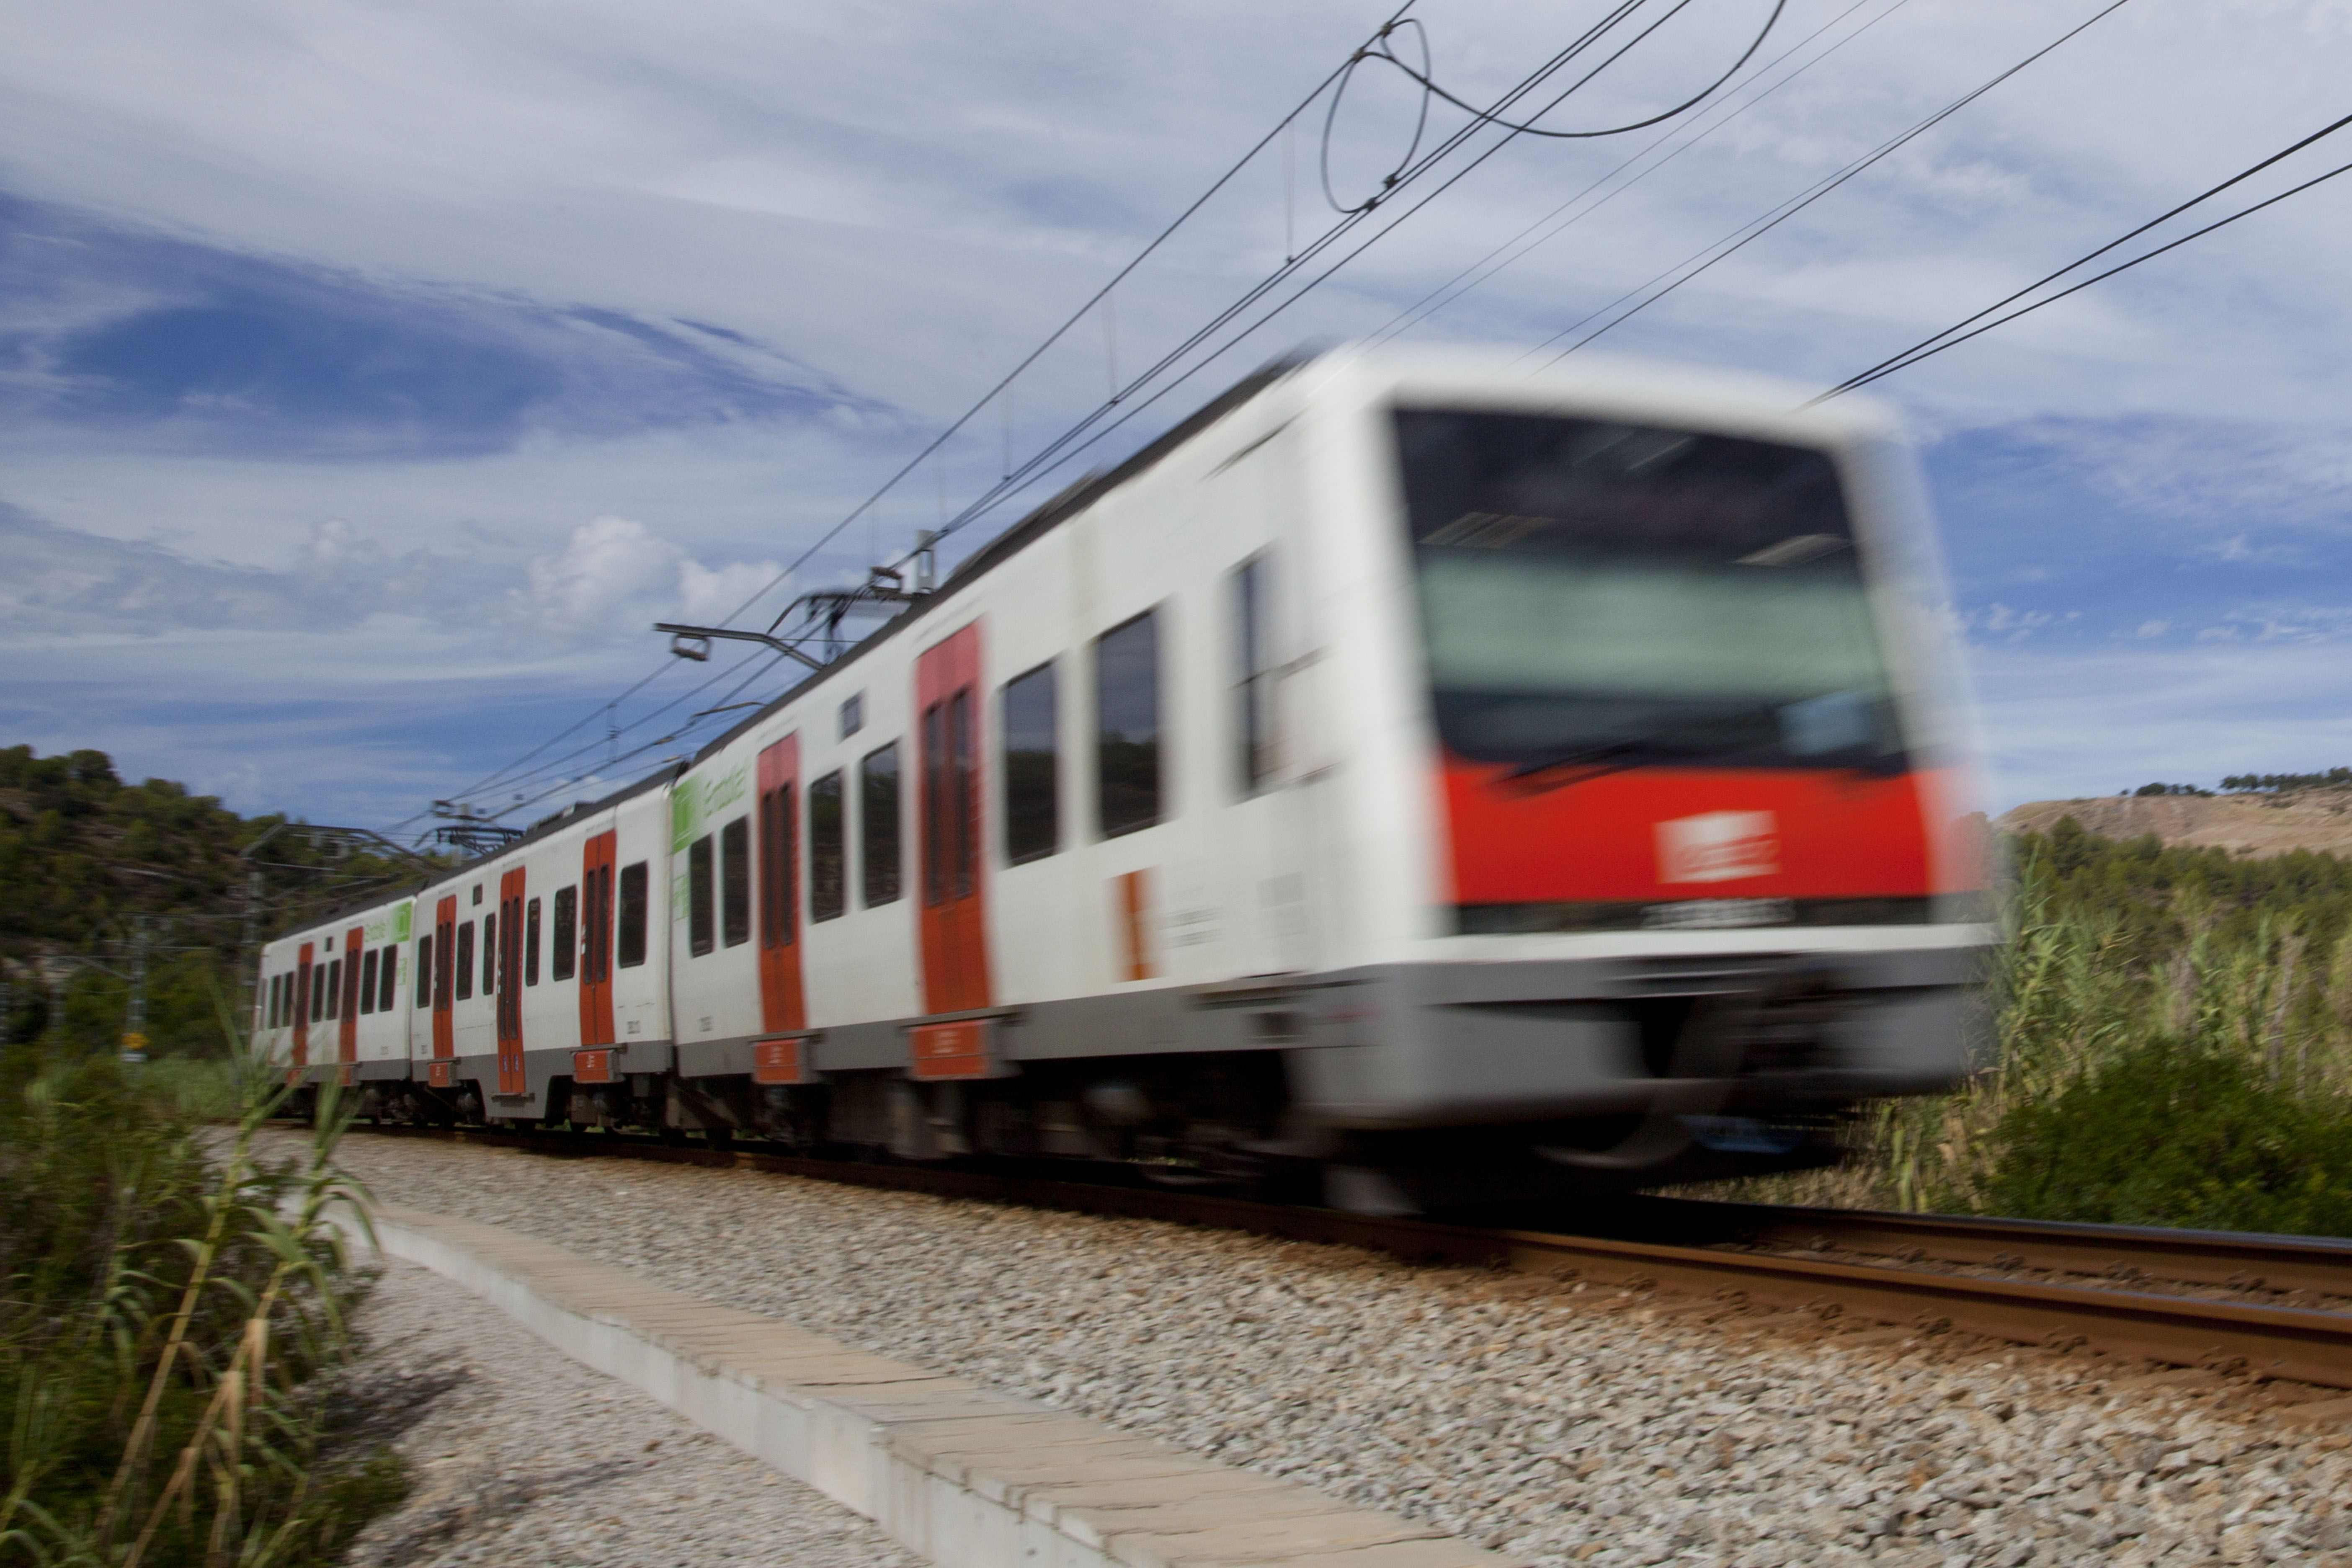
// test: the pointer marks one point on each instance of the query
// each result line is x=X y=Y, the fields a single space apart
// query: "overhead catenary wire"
x=1706 y=260
x=1937 y=343
x=1071 y=442
x=1497 y=260
x=1017 y=477
x=498 y=777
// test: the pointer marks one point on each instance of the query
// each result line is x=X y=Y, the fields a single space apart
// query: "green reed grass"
x=2171 y=1043
x=174 y=1305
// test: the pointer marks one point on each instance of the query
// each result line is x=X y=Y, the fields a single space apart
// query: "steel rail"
x=2232 y=1258
x=2291 y=1343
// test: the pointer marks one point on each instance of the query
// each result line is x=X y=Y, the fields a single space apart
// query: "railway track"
x=1861 y=1267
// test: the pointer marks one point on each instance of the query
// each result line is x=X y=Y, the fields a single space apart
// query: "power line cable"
x=1447 y=292
x=1749 y=233
x=1053 y=455
x=1020 y=478
x=1904 y=361
x=958 y=425
x=1922 y=348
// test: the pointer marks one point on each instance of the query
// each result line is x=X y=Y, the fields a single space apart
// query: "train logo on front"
x=1719 y=847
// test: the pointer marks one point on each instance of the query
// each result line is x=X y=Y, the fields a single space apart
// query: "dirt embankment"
x=2251 y=824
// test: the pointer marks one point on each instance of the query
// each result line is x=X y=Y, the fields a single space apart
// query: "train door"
x=953 y=927
x=346 y=1037
x=596 y=940
x=444 y=972
x=511 y=1079
x=302 y=978
x=783 y=1003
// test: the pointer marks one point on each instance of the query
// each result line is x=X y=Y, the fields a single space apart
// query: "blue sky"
x=369 y=379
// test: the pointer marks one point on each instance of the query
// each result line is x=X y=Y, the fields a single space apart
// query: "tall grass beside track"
x=2172 y=1045
x=173 y=1309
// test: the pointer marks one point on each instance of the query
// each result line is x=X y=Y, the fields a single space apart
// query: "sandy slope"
x=2257 y=824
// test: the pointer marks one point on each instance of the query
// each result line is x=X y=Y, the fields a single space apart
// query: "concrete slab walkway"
x=960 y=1474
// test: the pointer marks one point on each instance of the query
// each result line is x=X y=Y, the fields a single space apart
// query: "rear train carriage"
x=1445 y=781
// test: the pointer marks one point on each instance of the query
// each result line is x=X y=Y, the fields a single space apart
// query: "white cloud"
x=614 y=575
x=2152 y=628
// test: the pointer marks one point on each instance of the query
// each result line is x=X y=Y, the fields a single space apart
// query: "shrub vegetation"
x=172 y=1308
x=2172 y=1045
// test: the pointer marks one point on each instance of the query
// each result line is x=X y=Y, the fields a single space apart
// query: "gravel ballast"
x=518 y=1455
x=1557 y=1423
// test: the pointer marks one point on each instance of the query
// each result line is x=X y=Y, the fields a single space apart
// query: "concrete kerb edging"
x=961 y=1475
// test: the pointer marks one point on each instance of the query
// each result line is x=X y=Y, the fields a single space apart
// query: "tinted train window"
x=878 y=825
x=563 y=946
x=530 y=935
x=1252 y=685
x=465 y=960
x=335 y=989
x=1627 y=595
x=1033 y=820
x=424 y=974
x=735 y=883
x=1126 y=725
x=829 y=844
x=388 y=990
x=779 y=875
x=700 y=927
x=367 y=980
x=632 y=915
x=318 y=989
x=489 y=953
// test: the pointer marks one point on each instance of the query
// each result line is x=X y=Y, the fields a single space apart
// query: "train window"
x=700 y=935
x=632 y=915
x=367 y=979
x=530 y=935
x=1126 y=725
x=335 y=988
x=489 y=953
x=1033 y=818
x=779 y=877
x=444 y=963
x=388 y=990
x=464 y=966
x=735 y=883
x=314 y=994
x=270 y=998
x=853 y=714
x=828 y=847
x=877 y=823
x=1638 y=594
x=563 y=942
x=1252 y=685
x=425 y=973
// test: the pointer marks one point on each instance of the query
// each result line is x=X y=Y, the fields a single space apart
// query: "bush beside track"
x=173 y=1309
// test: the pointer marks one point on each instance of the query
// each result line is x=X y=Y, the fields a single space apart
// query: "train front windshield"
x=1624 y=595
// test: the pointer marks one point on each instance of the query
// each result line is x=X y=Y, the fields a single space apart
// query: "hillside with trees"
x=100 y=880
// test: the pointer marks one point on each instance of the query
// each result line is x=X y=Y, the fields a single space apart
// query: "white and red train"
x=1449 y=780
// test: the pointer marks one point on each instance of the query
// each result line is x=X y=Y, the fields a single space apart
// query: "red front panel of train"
x=1653 y=835
x=951 y=870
